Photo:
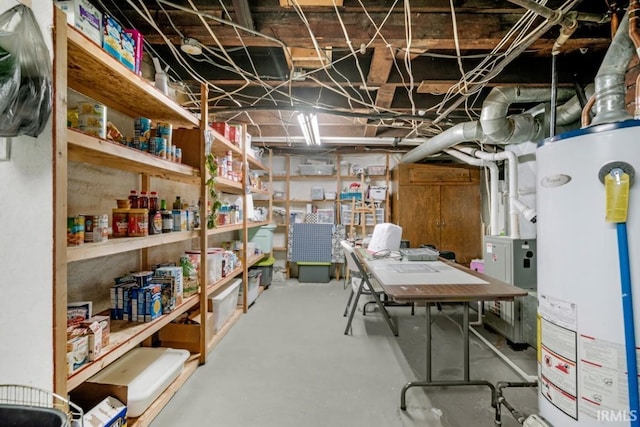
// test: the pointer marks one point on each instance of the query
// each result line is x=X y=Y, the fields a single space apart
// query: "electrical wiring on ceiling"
x=328 y=77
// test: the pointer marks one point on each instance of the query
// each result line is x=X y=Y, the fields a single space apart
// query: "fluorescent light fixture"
x=309 y=125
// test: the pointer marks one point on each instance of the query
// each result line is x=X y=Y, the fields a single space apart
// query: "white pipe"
x=512 y=163
x=493 y=184
x=519 y=371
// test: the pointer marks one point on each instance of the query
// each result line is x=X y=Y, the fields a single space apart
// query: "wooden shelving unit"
x=84 y=67
x=291 y=201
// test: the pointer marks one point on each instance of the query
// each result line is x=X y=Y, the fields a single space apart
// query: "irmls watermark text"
x=617 y=415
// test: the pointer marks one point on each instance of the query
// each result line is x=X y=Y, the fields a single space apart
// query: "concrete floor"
x=287 y=363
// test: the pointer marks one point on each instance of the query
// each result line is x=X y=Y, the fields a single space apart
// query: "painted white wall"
x=26 y=243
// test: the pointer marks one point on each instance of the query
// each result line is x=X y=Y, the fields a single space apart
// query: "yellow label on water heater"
x=617 y=190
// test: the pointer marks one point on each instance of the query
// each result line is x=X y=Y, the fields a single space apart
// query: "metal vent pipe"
x=610 y=87
x=462 y=132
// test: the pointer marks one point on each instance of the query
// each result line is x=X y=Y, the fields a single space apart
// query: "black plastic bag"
x=25 y=74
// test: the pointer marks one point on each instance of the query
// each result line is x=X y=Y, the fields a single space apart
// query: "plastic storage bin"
x=214 y=262
x=146 y=372
x=266 y=268
x=262 y=237
x=224 y=304
x=377 y=193
x=314 y=272
x=317 y=170
x=317 y=193
x=253 y=287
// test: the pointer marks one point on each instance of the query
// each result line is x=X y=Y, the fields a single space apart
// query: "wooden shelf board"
x=225 y=329
x=279 y=248
x=355 y=178
x=96 y=74
x=124 y=244
x=260 y=192
x=222 y=283
x=257 y=224
x=222 y=145
x=125 y=336
x=225 y=185
x=154 y=409
x=89 y=149
x=256 y=164
x=255 y=259
x=313 y=177
x=310 y=201
x=223 y=229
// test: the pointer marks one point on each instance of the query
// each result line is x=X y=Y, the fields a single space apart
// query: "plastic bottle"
x=133 y=199
x=155 y=217
x=239 y=205
x=143 y=200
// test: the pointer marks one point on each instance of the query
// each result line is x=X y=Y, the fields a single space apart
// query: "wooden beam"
x=324 y=3
x=380 y=68
x=384 y=98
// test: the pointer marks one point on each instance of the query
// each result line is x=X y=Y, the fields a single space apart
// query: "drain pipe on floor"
x=504 y=358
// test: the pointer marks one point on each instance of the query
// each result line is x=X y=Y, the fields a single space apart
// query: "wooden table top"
x=425 y=287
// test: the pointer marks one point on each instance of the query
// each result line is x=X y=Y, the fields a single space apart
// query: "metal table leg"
x=466 y=381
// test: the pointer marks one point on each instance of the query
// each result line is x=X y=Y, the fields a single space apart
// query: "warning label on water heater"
x=558 y=369
x=603 y=378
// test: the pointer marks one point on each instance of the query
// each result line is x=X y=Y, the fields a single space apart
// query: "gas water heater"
x=583 y=352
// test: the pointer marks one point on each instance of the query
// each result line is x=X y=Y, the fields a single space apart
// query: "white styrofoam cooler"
x=224 y=304
x=146 y=371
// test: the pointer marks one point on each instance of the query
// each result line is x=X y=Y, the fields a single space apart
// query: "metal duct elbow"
x=525 y=128
x=462 y=132
x=570 y=111
x=609 y=81
x=494 y=121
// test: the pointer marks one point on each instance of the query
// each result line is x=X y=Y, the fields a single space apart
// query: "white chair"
x=362 y=284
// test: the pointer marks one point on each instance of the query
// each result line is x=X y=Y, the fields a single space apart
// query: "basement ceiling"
x=377 y=73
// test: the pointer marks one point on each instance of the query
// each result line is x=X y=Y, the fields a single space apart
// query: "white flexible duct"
x=493 y=184
x=462 y=132
x=610 y=87
x=502 y=129
x=512 y=163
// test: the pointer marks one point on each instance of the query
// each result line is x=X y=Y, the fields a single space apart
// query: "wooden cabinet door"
x=460 y=225
x=418 y=208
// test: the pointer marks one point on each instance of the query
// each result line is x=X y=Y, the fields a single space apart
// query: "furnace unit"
x=513 y=261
